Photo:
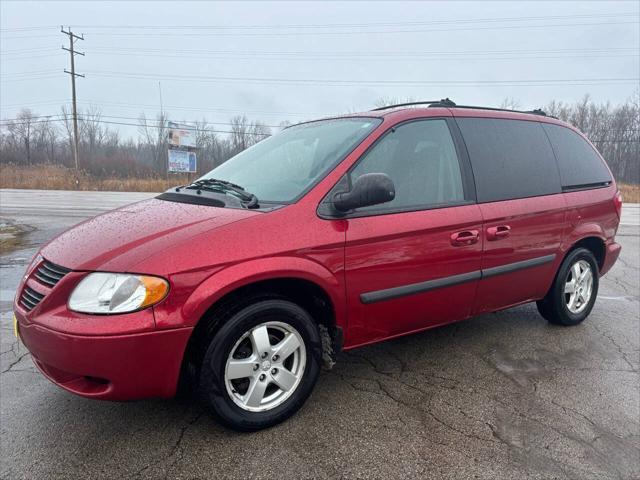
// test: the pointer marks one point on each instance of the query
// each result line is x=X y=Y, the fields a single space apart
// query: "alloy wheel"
x=578 y=286
x=265 y=366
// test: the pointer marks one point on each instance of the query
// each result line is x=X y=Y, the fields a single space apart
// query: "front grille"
x=30 y=298
x=49 y=273
x=46 y=273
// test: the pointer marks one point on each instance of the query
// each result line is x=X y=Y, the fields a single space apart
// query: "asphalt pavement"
x=504 y=395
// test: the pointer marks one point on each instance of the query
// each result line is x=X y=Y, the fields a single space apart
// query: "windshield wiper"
x=248 y=200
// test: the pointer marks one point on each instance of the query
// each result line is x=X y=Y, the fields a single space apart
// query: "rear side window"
x=579 y=164
x=420 y=157
x=510 y=158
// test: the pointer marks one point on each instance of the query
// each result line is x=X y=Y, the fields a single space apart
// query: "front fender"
x=239 y=275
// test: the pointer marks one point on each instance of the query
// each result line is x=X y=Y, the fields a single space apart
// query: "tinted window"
x=420 y=157
x=510 y=158
x=579 y=163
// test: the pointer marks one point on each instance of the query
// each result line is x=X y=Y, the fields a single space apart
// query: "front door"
x=413 y=262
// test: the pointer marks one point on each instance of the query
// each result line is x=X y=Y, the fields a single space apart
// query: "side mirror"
x=368 y=189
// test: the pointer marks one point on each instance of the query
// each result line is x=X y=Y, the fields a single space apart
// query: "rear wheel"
x=574 y=290
x=261 y=365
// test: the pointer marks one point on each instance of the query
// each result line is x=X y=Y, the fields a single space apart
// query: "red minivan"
x=330 y=235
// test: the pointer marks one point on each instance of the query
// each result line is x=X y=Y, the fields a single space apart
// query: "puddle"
x=12 y=236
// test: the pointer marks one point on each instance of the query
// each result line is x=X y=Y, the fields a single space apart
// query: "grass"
x=55 y=177
x=630 y=192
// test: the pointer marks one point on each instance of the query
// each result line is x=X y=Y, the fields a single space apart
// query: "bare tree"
x=510 y=103
x=45 y=135
x=154 y=134
x=29 y=139
x=92 y=132
x=387 y=101
x=21 y=129
x=67 y=127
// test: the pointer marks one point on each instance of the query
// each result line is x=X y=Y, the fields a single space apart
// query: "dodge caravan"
x=327 y=236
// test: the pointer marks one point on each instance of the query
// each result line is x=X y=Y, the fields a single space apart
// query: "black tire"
x=553 y=307
x=212 y=386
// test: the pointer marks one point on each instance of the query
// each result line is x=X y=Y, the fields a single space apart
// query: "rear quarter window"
x=579 y=164
x=510 y=158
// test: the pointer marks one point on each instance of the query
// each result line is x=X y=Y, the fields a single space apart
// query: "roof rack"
x=536 y=111
x=445 y=102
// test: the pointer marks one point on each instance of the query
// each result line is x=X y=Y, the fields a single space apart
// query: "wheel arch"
x=268 y=272
x=593 y=240
x=304 y=282
x=595 y=245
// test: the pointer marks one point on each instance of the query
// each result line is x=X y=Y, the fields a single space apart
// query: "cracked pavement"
x=504 y=395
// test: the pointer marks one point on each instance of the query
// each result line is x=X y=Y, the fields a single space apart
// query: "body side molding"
x=414 y=288
x=512 y=267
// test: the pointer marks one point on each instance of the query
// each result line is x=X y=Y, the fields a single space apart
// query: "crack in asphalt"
x=176 y=452
x=623 y=354
x=15 y=362
x=399 y=400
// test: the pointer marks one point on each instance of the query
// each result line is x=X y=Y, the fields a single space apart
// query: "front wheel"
x=574 y=290
x=261 y=365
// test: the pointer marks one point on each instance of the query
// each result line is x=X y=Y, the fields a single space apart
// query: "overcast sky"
x=299 y=60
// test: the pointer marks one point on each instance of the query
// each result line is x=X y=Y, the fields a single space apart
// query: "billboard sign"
x=182 y=161
x=181 y=135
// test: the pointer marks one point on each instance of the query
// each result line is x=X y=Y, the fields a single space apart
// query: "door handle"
x=466 y=237
x=496 y=233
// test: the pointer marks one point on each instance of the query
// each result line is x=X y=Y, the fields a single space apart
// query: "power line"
x=350 y=82
x=142 y=125
x=73 y=53
x=400 y=58
x=23 y=37
x=43 y=102
x=33 y=72
x=350 y=26
x=377 y=53
x=40 y=77
x=374 y=54
x=19 y=51
x=364 y=25
x=23 y=29
x=335 y=25
x=356 y=32
x=44 y=55
x=180 y=121
x=89 y=117
x=169 y=107
x=350 y=56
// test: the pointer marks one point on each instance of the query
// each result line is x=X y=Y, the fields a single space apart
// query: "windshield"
x=281 y=168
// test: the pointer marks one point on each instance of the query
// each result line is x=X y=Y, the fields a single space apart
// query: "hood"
x=120 y=239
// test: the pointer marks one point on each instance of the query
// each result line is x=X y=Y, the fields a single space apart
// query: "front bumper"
x=114 y=367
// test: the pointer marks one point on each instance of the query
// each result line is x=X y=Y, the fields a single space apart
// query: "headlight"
x=117 y=293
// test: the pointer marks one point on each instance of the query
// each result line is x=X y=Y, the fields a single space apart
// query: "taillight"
x=617 y=201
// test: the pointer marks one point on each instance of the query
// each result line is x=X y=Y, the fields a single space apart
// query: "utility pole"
x=73 y=53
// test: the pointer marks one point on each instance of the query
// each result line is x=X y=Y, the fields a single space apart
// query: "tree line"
x=31 y=139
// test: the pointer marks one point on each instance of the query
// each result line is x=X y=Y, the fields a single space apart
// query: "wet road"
x=499 y=396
